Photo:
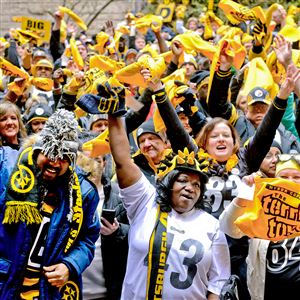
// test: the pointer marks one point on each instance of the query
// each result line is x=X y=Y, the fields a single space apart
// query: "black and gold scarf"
x=157 y=256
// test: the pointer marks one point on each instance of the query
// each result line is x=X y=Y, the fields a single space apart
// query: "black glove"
x=257 y=31
x=121 y=104
x=112 y=99
x=189 y=97
x=104 y=90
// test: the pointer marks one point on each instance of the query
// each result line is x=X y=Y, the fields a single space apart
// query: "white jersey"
x=221 y=191
x=197 y=252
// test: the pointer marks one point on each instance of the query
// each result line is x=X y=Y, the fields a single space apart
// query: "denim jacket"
x=16 y=242
x=8 y=157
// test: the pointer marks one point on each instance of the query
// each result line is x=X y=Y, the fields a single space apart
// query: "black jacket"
x=114 y=247
x=56 y=47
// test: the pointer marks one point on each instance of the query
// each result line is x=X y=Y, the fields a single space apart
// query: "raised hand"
x=177 y=48
x=58 y=16
x=154 y=84
x=111 y=99
x=121 y=105
x=291 y=80
x=241 y=73
x=109 y=28
x=259 y=32
x=225 y=60
x=108 y=99
x=71 y=65
x=71 y=29
x=283 y=50
x=58 y=76
x=187 y=96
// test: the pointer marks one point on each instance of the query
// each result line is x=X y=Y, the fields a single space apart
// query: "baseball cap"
x=258 y=94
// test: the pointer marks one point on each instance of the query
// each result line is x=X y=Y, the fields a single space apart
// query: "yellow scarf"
x=206 y=160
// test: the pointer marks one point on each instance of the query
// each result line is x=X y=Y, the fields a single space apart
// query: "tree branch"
x=98 y=13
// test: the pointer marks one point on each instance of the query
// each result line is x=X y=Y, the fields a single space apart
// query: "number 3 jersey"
x=197 y=252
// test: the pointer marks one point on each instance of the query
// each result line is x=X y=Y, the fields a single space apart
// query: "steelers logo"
x=39 y=111
x=258 y=93
x=22 y=181
x=140 y=131
x=69 y=291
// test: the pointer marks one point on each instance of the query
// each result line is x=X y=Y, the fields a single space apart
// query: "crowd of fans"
x=172 y=120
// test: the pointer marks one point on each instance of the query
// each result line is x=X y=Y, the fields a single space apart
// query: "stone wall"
x=86 y=9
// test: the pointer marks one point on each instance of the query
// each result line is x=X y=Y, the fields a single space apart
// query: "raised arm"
x=260 y=144
x=283 y=51
x=176 y=133
x=56 y=48
x=127 y=171
x=133 y=119
x=163 y=47
x=218 y=104
x=177 y=50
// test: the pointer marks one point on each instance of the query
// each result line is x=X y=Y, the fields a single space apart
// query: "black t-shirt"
x=283 y=270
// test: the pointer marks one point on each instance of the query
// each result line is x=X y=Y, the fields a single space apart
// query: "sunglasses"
x=287 y=157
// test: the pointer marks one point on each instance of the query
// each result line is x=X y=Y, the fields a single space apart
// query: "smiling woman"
x=226 y=163
x=12 y=129
x=219 y=139
x=219 y=145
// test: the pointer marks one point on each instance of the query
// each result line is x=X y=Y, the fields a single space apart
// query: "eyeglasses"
x=287 y=157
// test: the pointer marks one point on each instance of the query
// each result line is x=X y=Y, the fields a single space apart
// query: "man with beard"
x=48 y=225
